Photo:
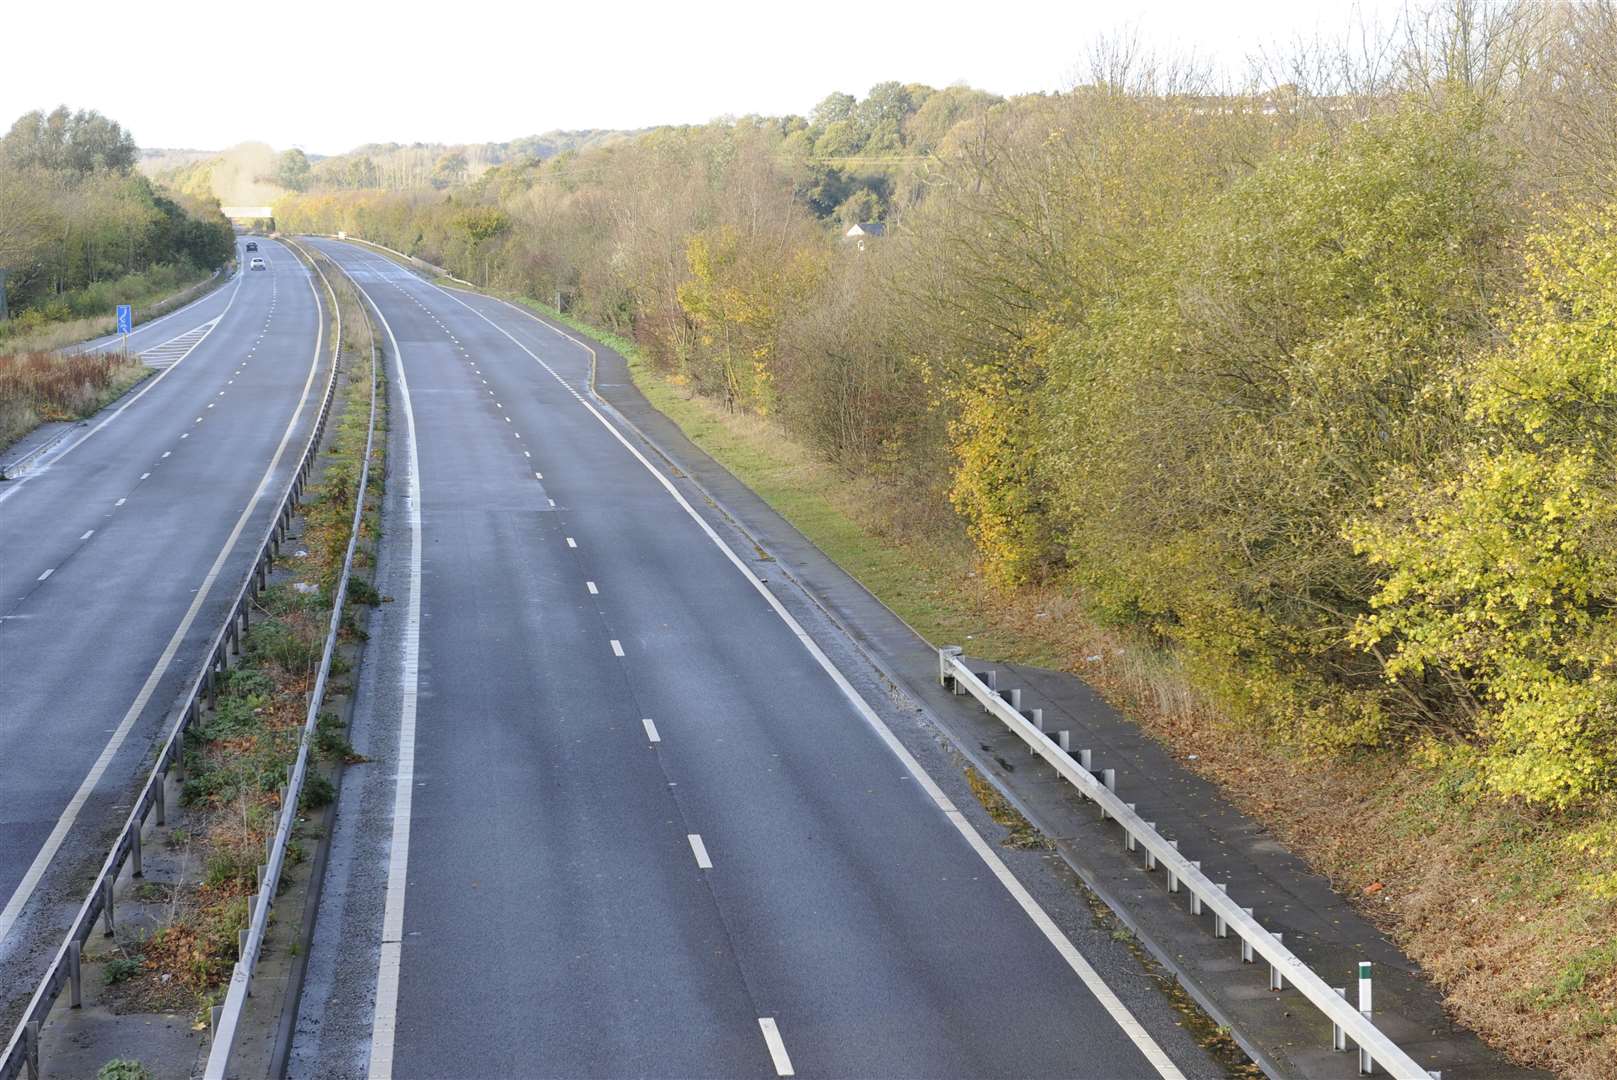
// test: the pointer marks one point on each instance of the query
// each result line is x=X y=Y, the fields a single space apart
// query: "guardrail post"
x=134 y=852
x=1195 y=897
x=1220 y=927
x=75 y=974
x=1128 y=834
x=30 y=1048
x=1109 y=778
x=1016 y=698
x=161 y=805
x=1150 y=856
x=945 y=678
x=1338 y=1036
x=1277 y=981
x=1064 y=740
x=106 y=906
x=1038 y=719
x=1246 y=946
x=1173 y=875
x=1086 y=758
x=1367 y=1064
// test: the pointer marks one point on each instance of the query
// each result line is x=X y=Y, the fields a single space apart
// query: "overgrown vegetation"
x=1308 y=392
x=238 y=759
x=40 y=386
x=82 y=231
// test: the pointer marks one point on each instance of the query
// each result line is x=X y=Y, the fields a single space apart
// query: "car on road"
x=252 y=245
x=256 y=264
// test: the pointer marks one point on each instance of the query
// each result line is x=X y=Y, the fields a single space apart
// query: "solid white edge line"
x=777 y=1047
x=64 y=824
x=384 y=1017
x=699 y=849
x=1081 y=967
x=58 y=455
x=651 y=730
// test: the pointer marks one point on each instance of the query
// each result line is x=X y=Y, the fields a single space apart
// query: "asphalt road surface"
x=625 y=814
x=119 y=555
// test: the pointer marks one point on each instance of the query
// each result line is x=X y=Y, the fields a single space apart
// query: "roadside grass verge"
x=39 y=386
x=1511 y=912
x=89 y=312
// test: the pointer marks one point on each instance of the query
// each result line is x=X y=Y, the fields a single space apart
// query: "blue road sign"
x=126 y=318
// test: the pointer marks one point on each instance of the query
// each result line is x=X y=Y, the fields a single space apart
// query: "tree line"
x=75 y=216
x=1312 y=382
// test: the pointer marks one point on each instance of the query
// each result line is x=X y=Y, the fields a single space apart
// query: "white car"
x=257 y=264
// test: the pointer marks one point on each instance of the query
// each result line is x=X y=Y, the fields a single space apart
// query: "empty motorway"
x=630 y=808
x=118 y=555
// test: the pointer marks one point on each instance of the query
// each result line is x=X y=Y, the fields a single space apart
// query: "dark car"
x=252 y=245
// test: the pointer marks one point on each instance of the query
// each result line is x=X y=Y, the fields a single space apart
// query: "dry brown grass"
x=39 y=386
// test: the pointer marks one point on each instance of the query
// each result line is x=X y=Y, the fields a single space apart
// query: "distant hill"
x=251 y=174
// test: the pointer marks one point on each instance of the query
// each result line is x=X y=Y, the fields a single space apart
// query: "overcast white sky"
x=183 y=73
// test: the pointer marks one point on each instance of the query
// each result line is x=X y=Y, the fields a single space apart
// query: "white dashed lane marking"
x=777 y=1048
x=47 y=574
x=651 y=730
x=699 y=849
x=617 y=647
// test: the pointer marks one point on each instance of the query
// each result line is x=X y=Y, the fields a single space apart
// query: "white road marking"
x=617 y=647
x=507 y=419
x=552 y=502
x=46 y=574
x=571 y=542
x=166 y=453
x=144 y=475
x=1041 y=919
x=53 y=843
x=651 y=730
x=590 y=585
x=699 y=849
x=120 y=502
x=777 y=1048
x=384 y=1019
x=187 y=435
x=16 y=485
x=87 y=534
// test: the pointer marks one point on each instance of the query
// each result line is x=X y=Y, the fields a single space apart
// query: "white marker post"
x=1367 y=1064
